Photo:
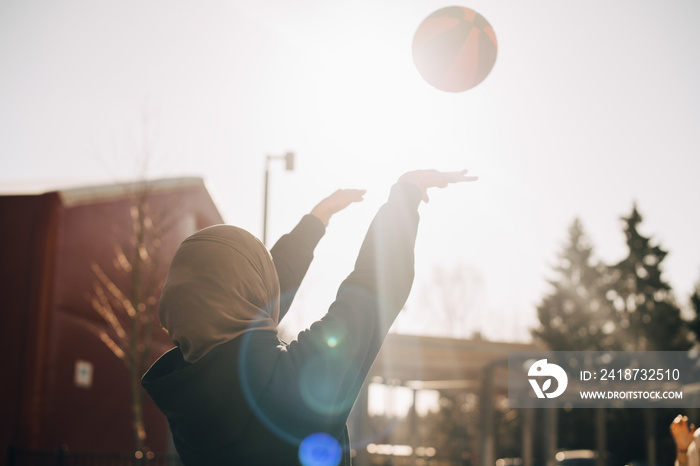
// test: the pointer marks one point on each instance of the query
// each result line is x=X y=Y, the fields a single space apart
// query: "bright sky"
x=590 y=107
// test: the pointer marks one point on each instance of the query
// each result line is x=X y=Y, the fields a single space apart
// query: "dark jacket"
x=254 y=400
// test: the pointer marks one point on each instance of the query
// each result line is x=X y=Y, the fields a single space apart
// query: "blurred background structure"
x=79 y=326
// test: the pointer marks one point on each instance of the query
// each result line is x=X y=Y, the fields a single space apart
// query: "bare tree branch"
x=114 y=290
x=101 y=304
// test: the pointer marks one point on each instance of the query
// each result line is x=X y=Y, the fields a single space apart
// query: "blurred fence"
x=61 y=457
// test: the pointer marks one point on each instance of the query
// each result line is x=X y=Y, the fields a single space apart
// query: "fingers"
x=344 y=197
x=435 y=178
x=682 y=433
x=341 y=198
x=679 y=421
x=458 y=177
x=354 y=195
x=348 y=194
x=336 y=202
x=443 y=179
x=425 y=179
x=680 y=425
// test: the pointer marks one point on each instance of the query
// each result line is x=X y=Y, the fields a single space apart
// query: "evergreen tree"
x=695 y=303
x=649 y=316
x=575 y=315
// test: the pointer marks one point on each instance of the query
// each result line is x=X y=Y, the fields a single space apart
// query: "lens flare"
x=319 y=390
x=320 y=449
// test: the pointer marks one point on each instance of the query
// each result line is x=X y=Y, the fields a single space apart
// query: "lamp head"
x=289 y=161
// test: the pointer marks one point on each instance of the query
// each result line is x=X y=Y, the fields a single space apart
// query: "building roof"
x=444 y=363
x=99 y=193
x=72 y=194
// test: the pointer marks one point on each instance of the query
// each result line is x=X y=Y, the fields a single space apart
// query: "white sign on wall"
x=83 y=374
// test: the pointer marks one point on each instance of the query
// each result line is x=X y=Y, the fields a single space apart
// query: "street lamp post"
x=289 y=166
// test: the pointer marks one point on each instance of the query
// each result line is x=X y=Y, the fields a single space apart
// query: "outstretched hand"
x=336 y=202
x=682 y=433
x=425 y=179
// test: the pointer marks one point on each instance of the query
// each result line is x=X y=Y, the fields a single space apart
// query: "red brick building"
x=62 y=386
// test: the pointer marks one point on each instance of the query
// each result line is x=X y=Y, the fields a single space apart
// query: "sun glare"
x=361 y=97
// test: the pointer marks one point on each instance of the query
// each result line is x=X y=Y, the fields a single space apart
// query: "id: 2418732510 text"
x=659 y=375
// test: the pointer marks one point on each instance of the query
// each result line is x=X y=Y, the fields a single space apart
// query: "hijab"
x=221 y=283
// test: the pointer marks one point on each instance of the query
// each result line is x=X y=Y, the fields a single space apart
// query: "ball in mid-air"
x=454 y=49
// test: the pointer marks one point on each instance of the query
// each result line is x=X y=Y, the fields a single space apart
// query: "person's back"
x=210 y=416
x=232 y=392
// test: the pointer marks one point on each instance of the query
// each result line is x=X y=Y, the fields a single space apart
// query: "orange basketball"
x=454 y=49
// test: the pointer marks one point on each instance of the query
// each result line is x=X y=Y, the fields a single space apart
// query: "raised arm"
x=293 y=252
x=336 y=352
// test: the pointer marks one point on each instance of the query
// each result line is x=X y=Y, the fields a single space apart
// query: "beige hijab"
x=221 y=284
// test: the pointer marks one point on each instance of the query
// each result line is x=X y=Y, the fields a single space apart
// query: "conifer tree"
x=649 y=316
x=575 y=315
x=695 y=303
